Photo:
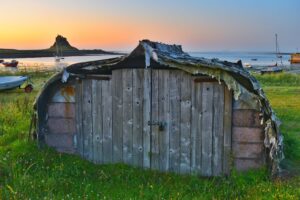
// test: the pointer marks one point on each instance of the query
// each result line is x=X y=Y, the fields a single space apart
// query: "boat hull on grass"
x=11 y=82
x=270 y=70
x=13 y=63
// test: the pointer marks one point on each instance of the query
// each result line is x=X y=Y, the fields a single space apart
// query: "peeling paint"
x=65 y=94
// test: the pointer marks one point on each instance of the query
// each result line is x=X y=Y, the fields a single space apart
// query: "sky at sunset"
x=203 y=25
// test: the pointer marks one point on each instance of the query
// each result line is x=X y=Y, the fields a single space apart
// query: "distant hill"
x=61 y=43
x=60 y=46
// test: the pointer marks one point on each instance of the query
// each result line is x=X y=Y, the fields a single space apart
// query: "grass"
x=280 y=79
x=27 y=172
x=283 y=92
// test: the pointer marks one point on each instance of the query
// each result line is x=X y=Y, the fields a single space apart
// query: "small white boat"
x=247 y=65
x=10 y=82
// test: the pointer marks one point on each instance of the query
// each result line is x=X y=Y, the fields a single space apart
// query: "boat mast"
x=277 y=49
x=60 y=49
x=276 y=43
x=56 y=49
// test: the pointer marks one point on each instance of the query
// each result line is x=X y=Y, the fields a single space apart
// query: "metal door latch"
x=161 y=125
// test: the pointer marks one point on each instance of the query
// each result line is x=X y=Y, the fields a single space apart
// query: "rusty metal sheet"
x=65 y=94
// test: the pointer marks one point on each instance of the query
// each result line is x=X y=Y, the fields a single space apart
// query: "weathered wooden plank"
x=218 y=137
x=247 y=135
x=107 y=120
x=247 y=150
x=87 y=119
x=62 y=142
x=117 y=116
x=199 y=127
x=97 y=120
x=78 y=110
x=185 y=124
x=127 y=115
x=196 y=142
x=243 y=164
x=246 y=118
x=164 y=118
x=63 y=110
x=137 y=132
x=61 y=125
x=207 y=125
x=174 y=126
x=194 y=127
x=200 y=79
x=146 y=119
x=154 y=128
x=227 y=130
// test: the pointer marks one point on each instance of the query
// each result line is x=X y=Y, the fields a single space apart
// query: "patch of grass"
x=279 y=79
x=285 y=101
x=27 y=172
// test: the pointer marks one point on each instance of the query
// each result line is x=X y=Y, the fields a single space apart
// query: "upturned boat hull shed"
x=162 y=109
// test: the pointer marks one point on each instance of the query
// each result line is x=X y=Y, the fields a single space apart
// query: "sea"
x=251 y=58
x=248 y=59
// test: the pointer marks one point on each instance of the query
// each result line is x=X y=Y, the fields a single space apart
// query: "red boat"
x=13 y=63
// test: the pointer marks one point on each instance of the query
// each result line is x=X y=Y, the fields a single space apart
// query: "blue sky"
x=197 y=25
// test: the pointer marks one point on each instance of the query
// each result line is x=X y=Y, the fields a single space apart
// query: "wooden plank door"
x=171 y=121
x=165 y=120
x=131 y=114
x=160 y=116
x=190 y=124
